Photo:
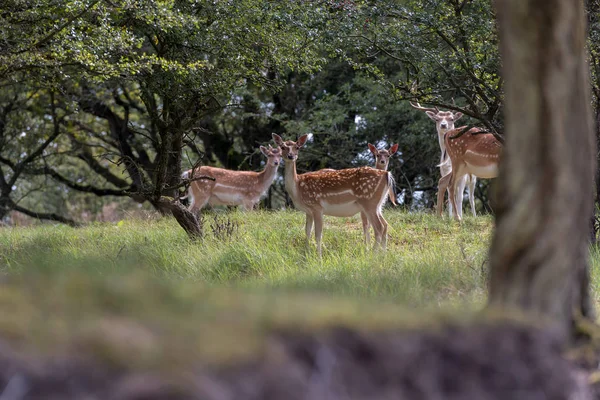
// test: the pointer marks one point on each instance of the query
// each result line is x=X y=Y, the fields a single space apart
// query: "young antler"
x=421 y=108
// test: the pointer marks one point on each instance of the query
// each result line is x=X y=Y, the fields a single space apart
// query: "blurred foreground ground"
x=134 y=310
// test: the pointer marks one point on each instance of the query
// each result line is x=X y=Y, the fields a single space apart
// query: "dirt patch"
x=456 y=362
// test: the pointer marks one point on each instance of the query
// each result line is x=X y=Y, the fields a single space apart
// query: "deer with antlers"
x=469 y=152
x=232 y=188
x=340 y=193
x=444 y=122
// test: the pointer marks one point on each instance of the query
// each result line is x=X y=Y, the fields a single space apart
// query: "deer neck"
x=266 y=176
x=441 y=134
x=291 y=180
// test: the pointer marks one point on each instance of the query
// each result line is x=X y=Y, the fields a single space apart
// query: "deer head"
x=289 y=148
x=382 y=157
x=444 y=120
x=273 y=155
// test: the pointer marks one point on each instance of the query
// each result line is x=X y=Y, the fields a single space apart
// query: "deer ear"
x=264 y=150
x=431 y=115
x=277 y=139
x=373 y=149
x=457 y=115
x=302 y=140
x=393 y=149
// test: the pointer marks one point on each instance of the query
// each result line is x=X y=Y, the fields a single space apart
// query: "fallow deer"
x=233 y=188
x=382 y=160
x=340 y=193
x=444 y=122
x=472 y=153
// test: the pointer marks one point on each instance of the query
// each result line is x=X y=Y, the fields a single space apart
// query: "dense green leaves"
x=123 y=94
x=135 y=78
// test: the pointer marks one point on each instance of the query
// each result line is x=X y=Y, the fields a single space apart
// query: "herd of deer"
x=465 y=155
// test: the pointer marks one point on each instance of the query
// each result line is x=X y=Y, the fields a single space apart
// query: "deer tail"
x=391 y=188
x=445 y=159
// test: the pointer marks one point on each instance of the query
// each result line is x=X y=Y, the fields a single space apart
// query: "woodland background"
x=103 y=103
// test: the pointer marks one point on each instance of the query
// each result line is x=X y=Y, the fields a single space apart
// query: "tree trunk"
x=593 y=14
x=539 y=253
x=184 y=217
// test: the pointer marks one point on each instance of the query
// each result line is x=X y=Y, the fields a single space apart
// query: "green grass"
x=141 y=293
x=429 y=260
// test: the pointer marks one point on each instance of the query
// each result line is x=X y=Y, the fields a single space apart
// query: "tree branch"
x=55 y=32
x=21 y=165
x=45 y=216
x=76 y=186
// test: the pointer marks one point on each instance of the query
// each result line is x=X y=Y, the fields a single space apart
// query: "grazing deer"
x=444 y=122
x=233 y=188
x=340 y=193
x=470 y=153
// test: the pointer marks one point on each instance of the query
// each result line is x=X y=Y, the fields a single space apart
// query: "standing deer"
x=340 y=193
x=382 y=159
x=233 y=188
x=444 y=122
x=470 y=153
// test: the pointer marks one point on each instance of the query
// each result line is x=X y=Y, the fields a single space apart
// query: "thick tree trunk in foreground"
x=539 y=254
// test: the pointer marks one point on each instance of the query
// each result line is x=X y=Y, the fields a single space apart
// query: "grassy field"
x=429 y=260
x=118 y=288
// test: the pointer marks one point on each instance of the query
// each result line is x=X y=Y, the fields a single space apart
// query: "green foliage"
x=143 y=89
x=133 y=80
x=437 y=51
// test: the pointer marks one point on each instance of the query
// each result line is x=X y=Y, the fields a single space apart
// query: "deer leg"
x=248 y=205
x=308 y=228
x=385 y=229
x=199 y=201
x=377 y=224
x=450 y=208
x=318 y=218
x=365 y=224
x=458 y=208
x=454 y=180
x=445 y=170
x=200 y=193
x=471 y=184
x=442 y=187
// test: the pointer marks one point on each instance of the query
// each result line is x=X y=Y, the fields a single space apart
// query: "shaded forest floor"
x=140 y=306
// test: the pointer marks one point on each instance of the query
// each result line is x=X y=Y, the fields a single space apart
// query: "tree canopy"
x=103 y=101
